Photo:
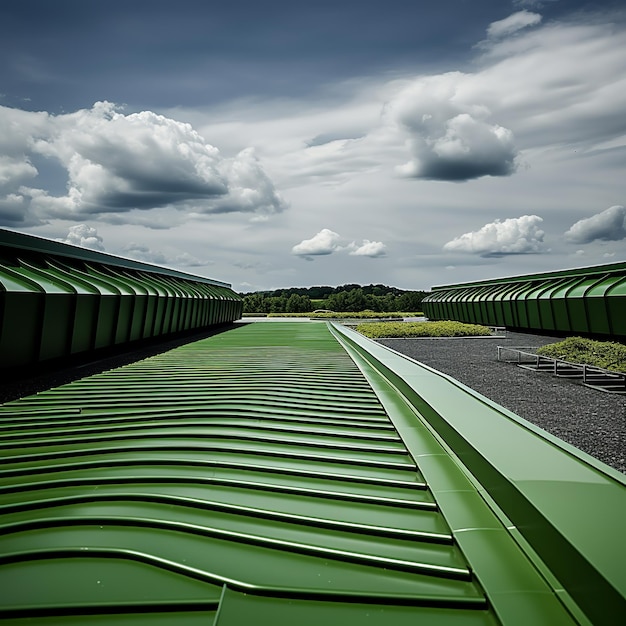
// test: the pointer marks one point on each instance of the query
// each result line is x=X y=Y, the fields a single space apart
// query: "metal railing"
x=590 y=375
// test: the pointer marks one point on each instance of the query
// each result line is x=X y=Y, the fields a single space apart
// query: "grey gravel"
x=594 y=421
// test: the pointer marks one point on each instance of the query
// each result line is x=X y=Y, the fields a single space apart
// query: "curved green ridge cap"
x=568 y=506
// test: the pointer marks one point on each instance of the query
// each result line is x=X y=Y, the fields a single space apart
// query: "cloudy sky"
x=275 y=144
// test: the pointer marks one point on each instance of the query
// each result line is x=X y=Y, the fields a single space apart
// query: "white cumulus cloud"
x=328 y=242
x=250 y=188
x=84 y=236
x=513 y=23
x=519 y=235
x=369 y=248
x=118 y=164
x=17 y=130
x=325 y=242
x=15 y=171
x=609 y=225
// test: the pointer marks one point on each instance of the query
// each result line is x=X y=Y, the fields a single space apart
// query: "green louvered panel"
x=587 y=300
x=57 y=301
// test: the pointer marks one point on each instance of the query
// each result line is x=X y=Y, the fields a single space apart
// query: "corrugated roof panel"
x=253 y=476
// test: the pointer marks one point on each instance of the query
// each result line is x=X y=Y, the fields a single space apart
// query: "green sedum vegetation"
x=379 y=330
x=605 y=354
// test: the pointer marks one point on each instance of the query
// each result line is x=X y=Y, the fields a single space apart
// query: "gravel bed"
x=594 y=421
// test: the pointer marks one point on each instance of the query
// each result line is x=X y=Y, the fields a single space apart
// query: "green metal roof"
x=270 y=474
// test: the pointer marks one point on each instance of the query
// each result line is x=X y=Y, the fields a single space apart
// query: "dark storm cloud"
x=333 y=96
x=449 y=135
x=464 y=168
x=67 y=54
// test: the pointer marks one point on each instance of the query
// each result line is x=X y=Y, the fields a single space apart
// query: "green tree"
x=348 y=297
x=337 y=301
x=298 y=304
x=253 y=303
x=278 y=304
x=411 y=301
x=356 y=300
x=373 y=302
x=389 y=302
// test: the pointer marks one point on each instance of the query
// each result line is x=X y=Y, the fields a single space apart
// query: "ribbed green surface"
x=58 y=301
x=271 y=474
x=259 y=459
x=583 y=301
x=276 y=473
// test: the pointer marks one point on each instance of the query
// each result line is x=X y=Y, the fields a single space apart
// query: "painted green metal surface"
x=58 y=300
x=564 y=506
x=275 y=473
x=588 y=301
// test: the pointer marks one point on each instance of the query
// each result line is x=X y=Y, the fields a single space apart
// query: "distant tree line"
x=379 y=298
